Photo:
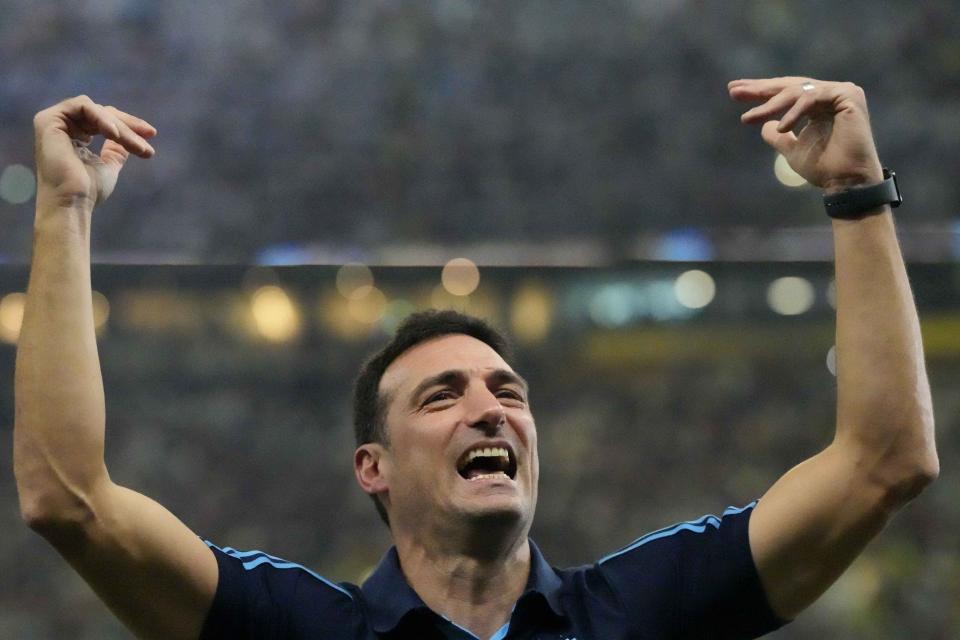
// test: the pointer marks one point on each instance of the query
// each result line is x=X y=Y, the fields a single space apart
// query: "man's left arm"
x=813 y=522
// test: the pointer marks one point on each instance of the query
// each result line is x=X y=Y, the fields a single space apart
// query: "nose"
x=485 y=411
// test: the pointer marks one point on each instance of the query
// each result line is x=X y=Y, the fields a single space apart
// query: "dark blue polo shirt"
x=694 y=580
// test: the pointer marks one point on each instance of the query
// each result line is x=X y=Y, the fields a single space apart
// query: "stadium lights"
x=275 y=316
x=369 y=307
x=460 y=276
x=354 y=280
x=531 y=313
x=101 y=312
x=832 y=360
x=790 y=296
x=694 y=289
x=17 y=184
x=785 y=173
x=11 y=316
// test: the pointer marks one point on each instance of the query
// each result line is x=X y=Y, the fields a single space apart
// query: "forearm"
x=59 y=421
x=884 y=410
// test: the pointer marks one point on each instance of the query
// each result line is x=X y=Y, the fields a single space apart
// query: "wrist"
x=56 y=214
x=843 y=183
x=49 y=199
x=859 y=201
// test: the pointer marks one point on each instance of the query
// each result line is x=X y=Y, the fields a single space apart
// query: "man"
x=448 y=445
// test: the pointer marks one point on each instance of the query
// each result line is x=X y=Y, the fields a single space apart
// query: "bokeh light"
x=368 y=308
x=17 y=184
x=11 y=316
x=694 y=289
x=531 y=313
x=101 y=311
x=460 y=277
x=354 y=280
x=785 y=173
x=832 y=360
x=274 y=314
x=790 y=296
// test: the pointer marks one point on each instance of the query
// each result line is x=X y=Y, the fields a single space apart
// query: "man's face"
x=462 y=439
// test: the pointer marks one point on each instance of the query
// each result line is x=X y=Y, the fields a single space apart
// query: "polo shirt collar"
x=389 y=598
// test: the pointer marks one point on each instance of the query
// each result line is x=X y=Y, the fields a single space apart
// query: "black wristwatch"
x=859 y=202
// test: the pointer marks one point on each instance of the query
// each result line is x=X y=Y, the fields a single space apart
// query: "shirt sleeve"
x=261 y=596
x=699 y=577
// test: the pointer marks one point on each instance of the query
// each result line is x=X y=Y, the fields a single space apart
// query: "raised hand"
x=67 y=171
x=834 y=148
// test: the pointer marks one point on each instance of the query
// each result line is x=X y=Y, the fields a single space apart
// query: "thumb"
x=782 y=142
x=113 y=154
x=107 y=167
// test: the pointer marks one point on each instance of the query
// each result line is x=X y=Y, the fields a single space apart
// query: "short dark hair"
x=370 y=408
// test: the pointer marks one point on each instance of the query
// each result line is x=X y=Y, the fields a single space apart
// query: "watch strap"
x=858 y=202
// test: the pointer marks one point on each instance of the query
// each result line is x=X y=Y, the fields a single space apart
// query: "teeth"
x=486 y=476
x=492 y=452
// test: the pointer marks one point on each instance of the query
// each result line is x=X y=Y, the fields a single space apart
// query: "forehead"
x=455 y=351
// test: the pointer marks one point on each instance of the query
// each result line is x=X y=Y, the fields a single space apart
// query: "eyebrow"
x=454 y=376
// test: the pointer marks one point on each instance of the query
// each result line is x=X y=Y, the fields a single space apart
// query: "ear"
x=371 y=465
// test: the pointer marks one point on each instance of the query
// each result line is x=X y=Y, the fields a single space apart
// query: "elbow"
x=63 y=523
x=910 y=479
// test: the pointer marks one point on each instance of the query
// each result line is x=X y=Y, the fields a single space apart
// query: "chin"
x=506 y=514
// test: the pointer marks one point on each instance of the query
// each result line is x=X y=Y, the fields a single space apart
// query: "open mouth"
x=482 y=463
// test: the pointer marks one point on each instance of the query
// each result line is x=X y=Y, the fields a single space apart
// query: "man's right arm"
x=147 y=566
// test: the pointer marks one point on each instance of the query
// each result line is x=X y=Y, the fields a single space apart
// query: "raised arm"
x=155 y=575
x=819 y=516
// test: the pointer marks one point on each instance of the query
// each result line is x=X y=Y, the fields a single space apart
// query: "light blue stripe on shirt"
x=279 y=563
x=697 y=526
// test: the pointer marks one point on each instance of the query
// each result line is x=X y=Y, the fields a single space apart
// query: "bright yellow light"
x=531 y=313
x=790 y=296
x=785 y=173
x=369 y=308
x=694 y=289
x=11 y=316
x=354 y=280
x=274 y=314
x=101 y=311
x=460 y=277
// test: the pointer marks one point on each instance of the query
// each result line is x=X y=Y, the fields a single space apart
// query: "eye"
x=510 y=394
x=439 y=396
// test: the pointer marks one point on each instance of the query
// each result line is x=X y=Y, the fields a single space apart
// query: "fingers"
x=81 y=118
x=783 y=142
x=113 y=153
x=752 y=90
x=789 y=100
x=130 y=139
x=142 y=127
x=771 y=108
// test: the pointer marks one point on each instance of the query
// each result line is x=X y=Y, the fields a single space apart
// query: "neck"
x=474 y=586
